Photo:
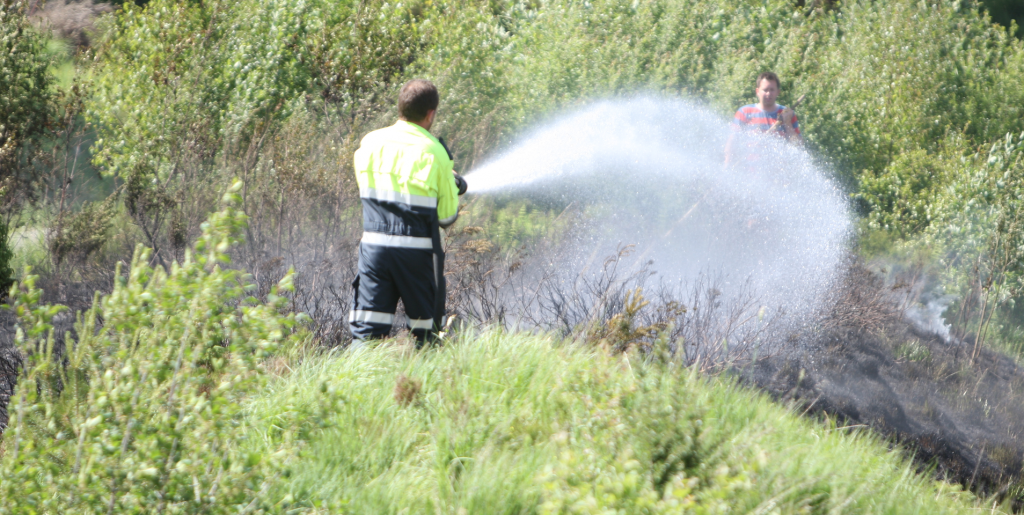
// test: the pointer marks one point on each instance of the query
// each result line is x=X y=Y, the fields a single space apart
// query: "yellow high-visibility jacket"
x=406 y=185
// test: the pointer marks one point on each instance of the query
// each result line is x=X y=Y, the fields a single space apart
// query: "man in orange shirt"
x=764 y=117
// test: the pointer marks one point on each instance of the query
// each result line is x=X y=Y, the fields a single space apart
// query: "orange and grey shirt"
x=406 y=185
x=753 y=118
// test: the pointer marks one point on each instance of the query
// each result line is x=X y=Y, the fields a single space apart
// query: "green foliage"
x=83 y=232
x=192 y=90
x=912 y=351
x=25 y=100
x=361 y=50
x=980 y=229
x=1006 y=13
x=179 y=80
x=977 y=222
x=24 y=105
x=175 y=77
x=515 y=423
x=141 y=412
x=881 y=78
x=6 y=257
x=900 y=198
x=512 y=225
x=187 y=94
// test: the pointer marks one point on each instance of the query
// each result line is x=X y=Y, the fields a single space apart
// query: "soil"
x=963 y=418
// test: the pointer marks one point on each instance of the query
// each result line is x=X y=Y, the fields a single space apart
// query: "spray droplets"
x=649 y=172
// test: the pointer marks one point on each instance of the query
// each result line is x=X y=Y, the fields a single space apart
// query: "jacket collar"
x=412 y=127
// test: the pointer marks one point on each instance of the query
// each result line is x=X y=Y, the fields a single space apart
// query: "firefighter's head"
x=417 y=102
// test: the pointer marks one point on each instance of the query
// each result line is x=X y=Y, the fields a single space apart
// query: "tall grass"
x=519 y=423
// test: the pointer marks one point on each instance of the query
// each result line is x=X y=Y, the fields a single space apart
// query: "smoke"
x=926 y=315
x=649 y=172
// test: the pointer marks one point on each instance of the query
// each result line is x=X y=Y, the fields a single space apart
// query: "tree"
x=25 y=110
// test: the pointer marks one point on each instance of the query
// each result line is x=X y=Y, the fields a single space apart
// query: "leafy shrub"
x=6 y=256
x=1006 y=12
x=980 y=229
x=25 y=103
x=191 y=94
x=82 y=233
x=881 y=79
x=901 y=196
x=140 y=412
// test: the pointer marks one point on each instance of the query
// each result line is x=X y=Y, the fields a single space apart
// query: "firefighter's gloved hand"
x=460 y=183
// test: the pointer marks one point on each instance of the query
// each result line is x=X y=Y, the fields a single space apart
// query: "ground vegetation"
x=519 y=423
x=129 y=134
x=180 y=392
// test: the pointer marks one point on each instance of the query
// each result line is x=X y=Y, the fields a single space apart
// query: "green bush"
x=6 y=257
x=900 y=198
x=900 y=95
x=1006 y=13
x=25 y=103
x=189 y=92
x=142 y=410
x=979 y=231
x=881 y=78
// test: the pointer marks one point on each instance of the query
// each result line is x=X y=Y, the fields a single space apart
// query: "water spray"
x=648 y=172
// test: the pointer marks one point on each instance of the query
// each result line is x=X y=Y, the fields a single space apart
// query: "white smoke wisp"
x=927 y=316
x=649 y=172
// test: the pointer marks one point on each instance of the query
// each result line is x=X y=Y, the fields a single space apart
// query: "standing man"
x=764 y=117
x=409 y=192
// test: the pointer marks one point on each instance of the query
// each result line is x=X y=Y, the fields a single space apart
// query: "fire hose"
x=440 y=292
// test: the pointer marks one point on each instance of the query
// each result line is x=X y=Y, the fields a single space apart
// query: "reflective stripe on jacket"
x=406 y=185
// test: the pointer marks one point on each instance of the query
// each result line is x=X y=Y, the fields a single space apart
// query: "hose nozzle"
x=460 y=183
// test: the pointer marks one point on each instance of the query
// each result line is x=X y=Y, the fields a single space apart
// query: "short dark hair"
x=770 y=76
x=416 y=98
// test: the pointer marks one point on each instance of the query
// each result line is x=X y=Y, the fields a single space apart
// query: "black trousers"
x=387 y=274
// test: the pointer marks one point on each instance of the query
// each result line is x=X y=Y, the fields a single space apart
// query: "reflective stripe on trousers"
x=374 y=317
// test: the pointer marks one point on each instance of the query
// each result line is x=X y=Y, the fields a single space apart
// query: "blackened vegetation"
x=617 y=300
x=12 y=359
x=72 y=20
x=867 y=367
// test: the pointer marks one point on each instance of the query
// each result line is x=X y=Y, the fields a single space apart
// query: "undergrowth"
x=182 y=392
x=519 y=423
x=138 y=409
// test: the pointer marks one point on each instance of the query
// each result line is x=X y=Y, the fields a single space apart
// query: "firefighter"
x=409 y=192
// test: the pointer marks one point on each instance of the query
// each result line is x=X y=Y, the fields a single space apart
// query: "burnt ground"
x=963 y=418
x=918 y=391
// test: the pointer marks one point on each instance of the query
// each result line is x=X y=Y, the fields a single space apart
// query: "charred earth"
x=871 y=368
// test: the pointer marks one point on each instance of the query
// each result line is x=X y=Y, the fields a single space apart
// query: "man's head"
x=767 y=89
x=417 y=102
